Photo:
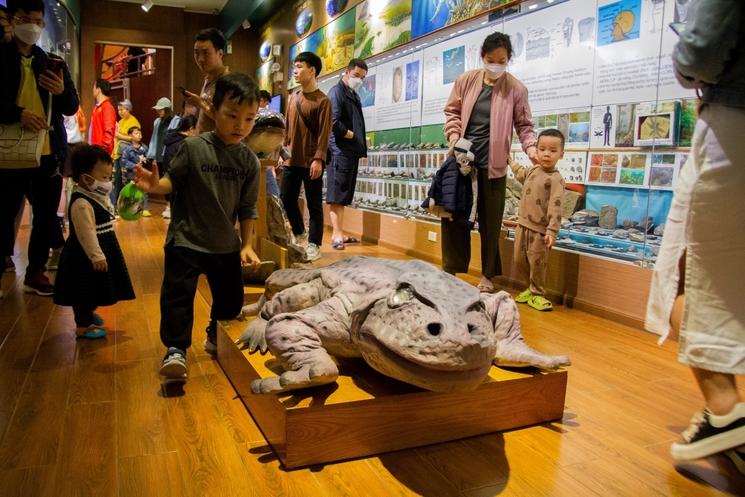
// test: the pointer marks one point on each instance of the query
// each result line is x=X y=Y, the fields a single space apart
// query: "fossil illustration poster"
x=552 y=54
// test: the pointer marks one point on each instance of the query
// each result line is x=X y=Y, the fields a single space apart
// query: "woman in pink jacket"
x=483 y=107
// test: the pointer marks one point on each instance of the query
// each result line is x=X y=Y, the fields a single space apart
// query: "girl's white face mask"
x=100 y=187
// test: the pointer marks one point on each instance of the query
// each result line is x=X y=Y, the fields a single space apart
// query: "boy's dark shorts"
x=341 y=178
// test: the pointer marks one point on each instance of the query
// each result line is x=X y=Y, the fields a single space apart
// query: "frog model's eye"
x=400 y=296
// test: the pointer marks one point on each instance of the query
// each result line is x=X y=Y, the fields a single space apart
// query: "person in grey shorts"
x=347 y=145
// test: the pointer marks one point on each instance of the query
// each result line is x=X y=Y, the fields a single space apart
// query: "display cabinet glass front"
x=60 y=36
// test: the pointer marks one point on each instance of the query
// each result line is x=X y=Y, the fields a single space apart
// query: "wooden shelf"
x=366 y=413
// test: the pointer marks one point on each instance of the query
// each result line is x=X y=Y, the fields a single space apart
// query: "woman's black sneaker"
x=710 y=434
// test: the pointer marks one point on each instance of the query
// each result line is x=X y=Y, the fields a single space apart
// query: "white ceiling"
x=205 y=6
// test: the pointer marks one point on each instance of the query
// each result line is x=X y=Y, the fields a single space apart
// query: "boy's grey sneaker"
x=710 y=434
x=313 y=252
x=174 y=365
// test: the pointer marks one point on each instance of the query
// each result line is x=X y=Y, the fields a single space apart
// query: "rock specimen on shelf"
x=512 y=196
x=407 y=319
x=588 y=217
x=628 y=224
x=608 y=217
x=569 y=202
x=647 y=224
x=636 y=235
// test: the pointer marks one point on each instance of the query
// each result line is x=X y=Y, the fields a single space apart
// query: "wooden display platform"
x=366 y=413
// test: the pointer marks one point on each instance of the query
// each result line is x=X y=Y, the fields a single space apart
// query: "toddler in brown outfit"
x=539 y=216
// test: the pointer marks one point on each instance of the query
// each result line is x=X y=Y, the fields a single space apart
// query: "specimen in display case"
x=407 y=319
x=395 y=178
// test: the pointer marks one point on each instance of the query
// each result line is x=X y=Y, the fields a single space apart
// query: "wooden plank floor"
x=89 y=418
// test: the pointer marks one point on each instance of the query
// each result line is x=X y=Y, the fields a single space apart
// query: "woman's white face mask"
x=494 y=70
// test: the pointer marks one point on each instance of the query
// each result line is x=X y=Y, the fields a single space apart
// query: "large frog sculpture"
x=406 y=319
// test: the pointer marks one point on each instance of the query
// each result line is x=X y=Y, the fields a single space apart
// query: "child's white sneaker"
x=313 y=252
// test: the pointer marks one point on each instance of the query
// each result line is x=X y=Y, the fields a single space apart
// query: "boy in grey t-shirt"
x=214 y=180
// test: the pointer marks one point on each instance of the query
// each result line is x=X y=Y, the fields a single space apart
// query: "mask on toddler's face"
x=463 y=156
x=100 y=187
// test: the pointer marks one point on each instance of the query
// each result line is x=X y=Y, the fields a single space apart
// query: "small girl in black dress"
x=91 y=270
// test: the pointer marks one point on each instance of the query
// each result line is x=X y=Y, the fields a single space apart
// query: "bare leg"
x=719 y=390
x=676 y=316
x=336 y=213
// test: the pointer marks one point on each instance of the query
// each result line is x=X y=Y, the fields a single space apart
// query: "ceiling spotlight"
x=246 y=24
x=147 y=5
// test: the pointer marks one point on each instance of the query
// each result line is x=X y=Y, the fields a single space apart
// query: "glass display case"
x=60 y=36
x=395 y=178
x=627 y=122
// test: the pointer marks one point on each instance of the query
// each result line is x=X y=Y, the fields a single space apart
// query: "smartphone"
x=182 y=90
x=55 y=64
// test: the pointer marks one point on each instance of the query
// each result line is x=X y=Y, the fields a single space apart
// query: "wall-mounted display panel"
x=600 y=71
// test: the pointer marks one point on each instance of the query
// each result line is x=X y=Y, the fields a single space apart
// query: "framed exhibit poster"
x=603 y=169
x=441 y=65
x=381 y=25
x=571 y=166
x=633 y=60
x=603 y=126
x=431 y=15
x=397 y=94
x=618 y=169
x=656 y=124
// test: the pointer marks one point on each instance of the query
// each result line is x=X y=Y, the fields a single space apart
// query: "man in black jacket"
x=347 y=145
x=27 y=82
